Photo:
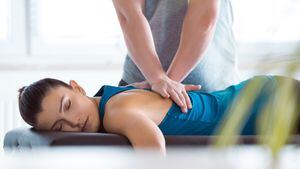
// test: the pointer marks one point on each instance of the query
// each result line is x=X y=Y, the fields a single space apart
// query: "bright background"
x=82 y=40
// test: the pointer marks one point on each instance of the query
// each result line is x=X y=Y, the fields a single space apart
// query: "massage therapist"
x=174 y=43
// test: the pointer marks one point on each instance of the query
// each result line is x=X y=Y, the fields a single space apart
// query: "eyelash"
x=69 y=105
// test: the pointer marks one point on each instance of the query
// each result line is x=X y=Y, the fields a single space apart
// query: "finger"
x=176 y=99
x=192 y=87
x=164 y=94
x=187 y=99
x=182 y=99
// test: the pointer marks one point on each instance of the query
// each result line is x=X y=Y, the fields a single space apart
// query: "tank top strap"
x=106 y=92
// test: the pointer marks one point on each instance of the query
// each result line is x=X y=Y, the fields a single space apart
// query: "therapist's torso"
x=218 y=66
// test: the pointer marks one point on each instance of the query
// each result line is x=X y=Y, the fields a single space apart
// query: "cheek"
x=82 y=106
x=45 y=120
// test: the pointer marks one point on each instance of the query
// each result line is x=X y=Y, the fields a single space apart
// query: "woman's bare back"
x=147 y=102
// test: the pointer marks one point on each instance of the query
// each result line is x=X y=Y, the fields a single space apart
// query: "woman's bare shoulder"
x=118 y=117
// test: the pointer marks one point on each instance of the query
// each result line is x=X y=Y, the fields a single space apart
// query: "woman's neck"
x=97 y=100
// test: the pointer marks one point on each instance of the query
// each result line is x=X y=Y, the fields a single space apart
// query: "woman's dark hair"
x=30 y=98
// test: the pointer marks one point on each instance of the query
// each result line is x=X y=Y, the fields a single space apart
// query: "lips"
x=84 y=125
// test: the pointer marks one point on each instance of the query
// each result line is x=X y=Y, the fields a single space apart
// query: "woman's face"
x=66 y=109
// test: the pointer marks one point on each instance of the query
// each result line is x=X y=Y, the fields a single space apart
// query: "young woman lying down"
x=139 y=114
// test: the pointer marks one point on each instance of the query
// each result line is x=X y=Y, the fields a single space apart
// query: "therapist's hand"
x=167 y=87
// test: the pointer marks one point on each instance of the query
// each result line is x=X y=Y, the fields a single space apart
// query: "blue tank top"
x=207 y=111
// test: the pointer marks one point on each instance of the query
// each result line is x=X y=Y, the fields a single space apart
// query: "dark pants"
x=122 y=83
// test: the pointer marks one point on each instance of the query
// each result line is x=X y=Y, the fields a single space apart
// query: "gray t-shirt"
x=217 y=68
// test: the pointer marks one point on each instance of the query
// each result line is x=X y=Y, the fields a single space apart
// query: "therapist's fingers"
x=167 y=87
x=178 y=99
x=165 y=94
x=182 y=99
x=175 y=98
x=192 y=87
x=187 y=99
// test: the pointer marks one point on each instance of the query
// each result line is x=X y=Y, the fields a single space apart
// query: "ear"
x=76 y=87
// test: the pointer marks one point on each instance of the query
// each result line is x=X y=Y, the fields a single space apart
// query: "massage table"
x=28 y=138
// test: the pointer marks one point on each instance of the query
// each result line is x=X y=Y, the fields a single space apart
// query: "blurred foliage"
x=277 y=118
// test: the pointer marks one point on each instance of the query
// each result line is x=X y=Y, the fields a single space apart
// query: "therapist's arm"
x=140 y=44
x=138 y=38
x=197 y=32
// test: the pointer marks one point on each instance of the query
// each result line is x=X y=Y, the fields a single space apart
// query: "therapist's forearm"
x=197 y=32
x=140 y=44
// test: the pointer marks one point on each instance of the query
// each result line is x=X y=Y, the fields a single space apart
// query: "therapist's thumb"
x=165 y=95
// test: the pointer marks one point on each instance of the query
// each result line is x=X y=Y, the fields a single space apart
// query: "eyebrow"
x=60 y=110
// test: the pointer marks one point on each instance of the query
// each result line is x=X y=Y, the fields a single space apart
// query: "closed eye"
x=69 y=105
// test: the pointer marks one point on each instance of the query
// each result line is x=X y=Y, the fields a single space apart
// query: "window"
x=75 y=27
x=77 y=22
x=266 y=20
x=67 y=29
x=3 y=20
x=267 y=28
x=12 y=29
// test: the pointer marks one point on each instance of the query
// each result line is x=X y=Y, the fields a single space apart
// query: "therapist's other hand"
x=167 y=87
x=141 y=85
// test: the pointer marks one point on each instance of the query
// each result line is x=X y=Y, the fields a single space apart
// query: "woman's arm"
x=141 y=131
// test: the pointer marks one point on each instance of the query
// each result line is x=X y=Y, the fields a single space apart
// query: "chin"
x=96 y=129
x=92 y=129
